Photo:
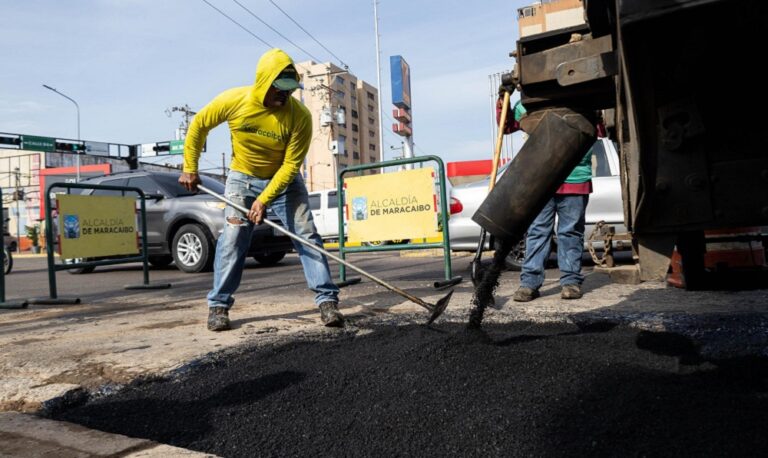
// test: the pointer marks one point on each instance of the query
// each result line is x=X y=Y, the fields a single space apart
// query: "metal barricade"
x=49 y=241
x=444 y=244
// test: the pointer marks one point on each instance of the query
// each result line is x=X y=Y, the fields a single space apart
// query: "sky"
x=126 y=61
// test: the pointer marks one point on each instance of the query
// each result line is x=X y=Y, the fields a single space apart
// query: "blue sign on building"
x=400 y=73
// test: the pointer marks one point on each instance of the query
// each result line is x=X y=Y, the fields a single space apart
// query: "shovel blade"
x=439 y=308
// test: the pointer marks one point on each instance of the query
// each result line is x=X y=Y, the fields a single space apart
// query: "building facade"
x=549 y=15
x=345 y=120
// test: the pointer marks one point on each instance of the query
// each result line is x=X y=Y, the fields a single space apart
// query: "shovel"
x=476 y=265
x=435 y=310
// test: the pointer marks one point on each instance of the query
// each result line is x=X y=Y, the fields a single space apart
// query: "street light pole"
x=77 y=156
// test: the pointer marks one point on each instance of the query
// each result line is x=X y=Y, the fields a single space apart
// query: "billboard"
x=400 y=74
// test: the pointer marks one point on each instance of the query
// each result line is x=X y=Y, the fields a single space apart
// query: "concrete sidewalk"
x=28 y=436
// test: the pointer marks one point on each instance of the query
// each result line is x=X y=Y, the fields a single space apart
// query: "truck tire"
x=269 y=259
x=192 y=249
x=79 y=270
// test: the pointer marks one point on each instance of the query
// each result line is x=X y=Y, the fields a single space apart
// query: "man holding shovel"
x=270 y=132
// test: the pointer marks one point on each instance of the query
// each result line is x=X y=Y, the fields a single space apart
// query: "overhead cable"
x=346 y=67
x=275 y=30
x=238 y=24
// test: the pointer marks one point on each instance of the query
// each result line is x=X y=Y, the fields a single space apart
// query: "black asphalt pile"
x=524 y=389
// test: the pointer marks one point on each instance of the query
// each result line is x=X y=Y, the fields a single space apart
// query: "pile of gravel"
x=524 y=389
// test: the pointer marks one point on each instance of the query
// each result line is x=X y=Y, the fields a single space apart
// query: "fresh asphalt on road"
x=374 y=389
x=522 y=389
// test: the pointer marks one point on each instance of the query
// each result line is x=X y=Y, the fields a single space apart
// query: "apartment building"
x=345 y=119
x=549 y=15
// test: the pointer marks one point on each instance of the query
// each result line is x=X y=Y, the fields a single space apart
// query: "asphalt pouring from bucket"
x=522 y=389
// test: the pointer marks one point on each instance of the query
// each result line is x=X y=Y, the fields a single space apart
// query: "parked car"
x=605 y=203
x=183 y=227
x=324 y=206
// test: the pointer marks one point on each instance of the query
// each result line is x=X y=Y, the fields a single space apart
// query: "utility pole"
x=181 y=132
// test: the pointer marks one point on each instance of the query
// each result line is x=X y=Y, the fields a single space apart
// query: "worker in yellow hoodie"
x=270 y=132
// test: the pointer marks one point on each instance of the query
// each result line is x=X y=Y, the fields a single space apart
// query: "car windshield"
x=171 y=184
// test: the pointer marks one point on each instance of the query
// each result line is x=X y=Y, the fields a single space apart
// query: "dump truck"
x=678 y=84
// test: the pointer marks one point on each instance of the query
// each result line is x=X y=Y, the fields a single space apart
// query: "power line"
x=346 y=67
x=275 y=30
x=238 y=24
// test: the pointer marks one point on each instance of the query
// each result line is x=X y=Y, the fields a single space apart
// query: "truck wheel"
x=269 y=259
x=161 y=260
x=515 y=258
x=192 y=249
x=692 y=247
x=79 y=270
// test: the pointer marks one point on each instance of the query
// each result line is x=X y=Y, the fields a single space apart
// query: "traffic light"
x=70 y=147
x=162 y=147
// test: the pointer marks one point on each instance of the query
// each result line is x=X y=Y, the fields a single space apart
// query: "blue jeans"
x=570 y=241
x=292 y=207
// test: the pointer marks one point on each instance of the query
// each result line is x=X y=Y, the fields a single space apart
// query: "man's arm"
x=213 y=114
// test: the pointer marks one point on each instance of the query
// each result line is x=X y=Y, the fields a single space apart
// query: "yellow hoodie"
x=268 y=143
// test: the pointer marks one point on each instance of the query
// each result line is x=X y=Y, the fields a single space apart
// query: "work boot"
x=218 y=319
x=571 y=292
x=525 y=294
x=330 y=315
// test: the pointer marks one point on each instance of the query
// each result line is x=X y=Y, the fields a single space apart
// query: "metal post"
x=18 y=213
x=378 y=80
x=77 y=156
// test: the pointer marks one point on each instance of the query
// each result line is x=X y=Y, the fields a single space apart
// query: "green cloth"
x=518 y=110
x=583 y=171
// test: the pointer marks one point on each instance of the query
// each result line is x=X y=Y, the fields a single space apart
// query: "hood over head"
x=269 y=67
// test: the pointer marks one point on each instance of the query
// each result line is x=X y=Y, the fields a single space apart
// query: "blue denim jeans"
x=570 y=241
x=292 y=207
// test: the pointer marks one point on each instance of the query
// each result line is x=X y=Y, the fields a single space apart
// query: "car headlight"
x=215 y=204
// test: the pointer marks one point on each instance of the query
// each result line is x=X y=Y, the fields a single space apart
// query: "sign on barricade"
x=94 y=226
x=398 y=205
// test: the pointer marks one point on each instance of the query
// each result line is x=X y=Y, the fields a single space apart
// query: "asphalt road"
x=383 y=386
x=29 y=277
x=523 y=389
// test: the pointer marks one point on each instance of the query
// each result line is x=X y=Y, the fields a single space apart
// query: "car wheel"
x=192 y=249
x=269 y=259
x=161 y=260
x=79 y=270
x=7 y=261
x=516 y=257
x=375 y=243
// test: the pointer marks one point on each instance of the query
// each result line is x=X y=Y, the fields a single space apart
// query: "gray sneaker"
x=218 y=319
x=524 y=294
x=571 y=292
x=330 y=315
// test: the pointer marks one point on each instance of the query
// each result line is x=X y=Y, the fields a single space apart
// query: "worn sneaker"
x=524 y=294
x=218 y=319
x=330 y=315
x=571 y=292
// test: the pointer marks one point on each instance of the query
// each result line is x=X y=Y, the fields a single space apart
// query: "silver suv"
x=183 y=227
